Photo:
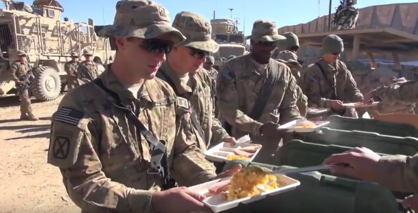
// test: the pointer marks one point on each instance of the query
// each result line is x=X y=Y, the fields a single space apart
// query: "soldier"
x=328 y=83
x=213 y=73
x=71 y=68
x=19 y=72
x=87 y=70
x=395 y=172
x=256 y=92
x=109 y=160
x=291 y=60
x=402 y=91
x=187 y=57
x=291 y=43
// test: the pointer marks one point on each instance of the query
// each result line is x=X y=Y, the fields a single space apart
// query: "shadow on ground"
x=29 y=130
x=3 y=122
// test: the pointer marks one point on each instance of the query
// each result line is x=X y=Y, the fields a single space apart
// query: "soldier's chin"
x=150 y=75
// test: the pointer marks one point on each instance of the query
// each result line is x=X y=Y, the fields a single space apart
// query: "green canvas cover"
x=372 y=125
x=323 y=194
x=379 y=143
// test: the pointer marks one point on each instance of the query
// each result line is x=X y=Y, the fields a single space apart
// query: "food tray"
x=219 y=152
x=217 y=203
x=360 y=105
x=291 y=126
x=315 y=111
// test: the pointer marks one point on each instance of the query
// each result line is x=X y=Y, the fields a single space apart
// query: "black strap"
x=265 y=92
x=193 y=115
x=333 y=96
x=158 y=163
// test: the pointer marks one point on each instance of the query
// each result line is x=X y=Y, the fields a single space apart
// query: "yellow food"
x=305 y=126
x=248 y=182
x=233 y=157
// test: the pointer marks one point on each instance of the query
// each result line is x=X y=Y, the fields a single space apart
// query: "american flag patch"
x=68 y=116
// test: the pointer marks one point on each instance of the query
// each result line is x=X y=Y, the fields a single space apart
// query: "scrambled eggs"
x=305 y=126
x=249 y=182
x=233 y=157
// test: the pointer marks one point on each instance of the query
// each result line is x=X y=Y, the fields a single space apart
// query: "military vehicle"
x=231 y=41
x=48 y=41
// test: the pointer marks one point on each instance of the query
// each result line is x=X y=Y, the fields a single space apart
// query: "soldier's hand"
x=177 y=200
x=362 y=163
x=337 y=105
x=229 y=172
x=368 y=97
x=270 y=130
x=230 y=140
x=411 y=202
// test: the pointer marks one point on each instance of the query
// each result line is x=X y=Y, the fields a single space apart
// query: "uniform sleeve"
x=189 y=163
x=73 y=149
x=399 y=173
x=288 y=108
x=227 y=95
x=13 y=70
x=351 y=90
x=407 y=92
x=311 y=88
x=218 y=132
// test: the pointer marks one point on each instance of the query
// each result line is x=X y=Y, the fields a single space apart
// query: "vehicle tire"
x=46 y=85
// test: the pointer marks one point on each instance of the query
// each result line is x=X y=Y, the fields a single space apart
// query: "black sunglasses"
x=156 y=46
x=266 y=43
x=198 y=53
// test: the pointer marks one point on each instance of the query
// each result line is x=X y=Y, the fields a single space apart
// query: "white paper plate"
x=360 y=105
x=290 y=127
x=315 y=111
x=219 y=152
x=218 y=203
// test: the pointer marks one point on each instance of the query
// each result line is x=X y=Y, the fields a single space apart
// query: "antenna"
x=319 y=8
x=104 y=22
x=230 y=11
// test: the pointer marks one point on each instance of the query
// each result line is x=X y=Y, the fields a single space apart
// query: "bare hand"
x=337 y=105
x=230 y=140
x=177 y=200
x=411 y=202
x=362 y=163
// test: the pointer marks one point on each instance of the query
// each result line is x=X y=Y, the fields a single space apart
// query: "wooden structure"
x=383 y=29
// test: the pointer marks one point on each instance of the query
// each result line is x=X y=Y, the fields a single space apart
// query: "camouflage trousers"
x=72 y=83
x=25 y=103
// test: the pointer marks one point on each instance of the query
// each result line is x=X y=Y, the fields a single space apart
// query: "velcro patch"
x=183 y=103
x=68 y=116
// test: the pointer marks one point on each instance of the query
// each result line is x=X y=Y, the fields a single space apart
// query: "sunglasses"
x=198 y=53
x=156 y=46
x=266 y=43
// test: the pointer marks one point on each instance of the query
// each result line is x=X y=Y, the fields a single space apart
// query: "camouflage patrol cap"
x=289 y=58
x=21 y=53
x=87 y=53
x=292 y=39
x=265 y=30
x=140 y=19
x=73 y=54
x=197 y=30
x=332 y=44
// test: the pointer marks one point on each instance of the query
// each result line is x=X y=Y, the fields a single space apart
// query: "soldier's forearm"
x=407 y=92
x=241 y=121
x=218 y=132
x=399 y=173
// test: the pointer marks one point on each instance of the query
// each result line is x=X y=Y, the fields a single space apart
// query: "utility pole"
x=329 y=15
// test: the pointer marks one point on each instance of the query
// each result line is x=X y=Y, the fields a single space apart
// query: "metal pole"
x=329 y=15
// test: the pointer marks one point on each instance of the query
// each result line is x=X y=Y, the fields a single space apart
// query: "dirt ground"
x=27 y=182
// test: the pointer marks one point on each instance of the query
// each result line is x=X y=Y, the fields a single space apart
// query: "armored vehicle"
x=231 y=41
x=48 y=41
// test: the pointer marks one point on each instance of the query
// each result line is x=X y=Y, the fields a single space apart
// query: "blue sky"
x=284 y=12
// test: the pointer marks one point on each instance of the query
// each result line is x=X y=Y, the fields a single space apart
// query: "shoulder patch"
x=68 y=116
x=183 y=103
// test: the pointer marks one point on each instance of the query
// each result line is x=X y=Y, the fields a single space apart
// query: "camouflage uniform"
x=71 y=68
x=239 y=85
x=87 y=70
x=405 y=91
x=196 y=87
x=337 y=84
x=213 y=74
x=291 y=60
x=398 y=172
x=18 y=70
x=102 y=158
x=291 y=40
